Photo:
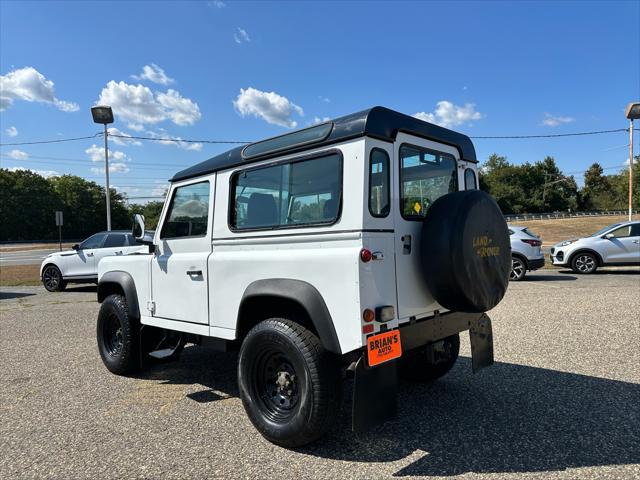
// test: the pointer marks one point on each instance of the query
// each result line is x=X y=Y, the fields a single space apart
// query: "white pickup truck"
x=361 y=244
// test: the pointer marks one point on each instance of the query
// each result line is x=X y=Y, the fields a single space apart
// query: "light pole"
x=632 y=113
x=104 y=115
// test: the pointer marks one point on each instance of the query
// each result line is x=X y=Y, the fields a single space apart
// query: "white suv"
x=80 y=265
x=526 y=252
x=361 y=244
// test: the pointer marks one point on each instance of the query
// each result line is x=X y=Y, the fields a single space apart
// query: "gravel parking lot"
x=562 y=401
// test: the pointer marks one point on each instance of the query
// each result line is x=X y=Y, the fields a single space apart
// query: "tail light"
x=533 y=243
x=366 y=255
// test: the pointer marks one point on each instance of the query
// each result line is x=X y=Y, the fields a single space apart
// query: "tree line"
x=28 y=201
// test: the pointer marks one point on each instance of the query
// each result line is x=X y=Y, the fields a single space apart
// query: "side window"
x=622 y=232
x=131 y=241
x=425 y=176
x=379 y=183
x=188 y=212
x=470 y=180
x=635 y=230
x=115 y=240
x=286 y=195
x=95 y=241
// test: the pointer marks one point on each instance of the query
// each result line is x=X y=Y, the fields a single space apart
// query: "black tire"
x=418 y=365
x=584 y=262
x=118 y=336
x=52 y=279
x=465 y=252
x=290 y=386
x=518 y=269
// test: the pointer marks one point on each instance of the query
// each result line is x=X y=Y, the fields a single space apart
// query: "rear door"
x=425 y=171
x=179 y=275
x=624 y=246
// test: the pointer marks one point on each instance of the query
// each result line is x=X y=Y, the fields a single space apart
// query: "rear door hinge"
x=151 y=306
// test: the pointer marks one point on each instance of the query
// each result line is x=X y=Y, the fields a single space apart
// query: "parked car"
x=80 y=265
x=617 y=244
x=526 y=252
x=300 y=252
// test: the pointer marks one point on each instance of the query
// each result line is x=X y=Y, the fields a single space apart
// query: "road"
x=25 y=257
x=561 y=402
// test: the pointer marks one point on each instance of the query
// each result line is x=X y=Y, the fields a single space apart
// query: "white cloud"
x=18 y=155
x=271 y=107
x=217 y=4
x=136 y=127
x=44 y=173
x=154 y=74
x=325 y=99
x=117 y=167
x=176 y=141
x=96 y=154
x=31 y=86
x=122 y=141
x=11 y=131
x=449 y=115
x=160 y=189
x=241 y=36
x=553 y=120
x=317 y=120
x=138 y=105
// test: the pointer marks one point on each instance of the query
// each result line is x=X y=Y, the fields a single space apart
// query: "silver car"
x=526 y=253
x=617 y=244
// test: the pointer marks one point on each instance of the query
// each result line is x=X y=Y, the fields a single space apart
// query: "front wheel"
x=584 y=263
x=290 y=386
x=430 y=362
x=52 y=279
x=518 y=269
x=118 y=336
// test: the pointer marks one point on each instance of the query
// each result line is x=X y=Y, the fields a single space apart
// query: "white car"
x=526 y=254
x=615 y=245
x=80 y=265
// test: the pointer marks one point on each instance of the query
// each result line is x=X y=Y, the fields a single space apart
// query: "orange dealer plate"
x=384 y=347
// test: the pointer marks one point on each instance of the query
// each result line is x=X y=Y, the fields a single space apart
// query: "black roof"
x=377 y=122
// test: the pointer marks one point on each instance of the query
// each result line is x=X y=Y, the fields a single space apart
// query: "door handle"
x=119 y=253
x=406 y=244
x=89 y=254
x=194 y=272
x=635 y=241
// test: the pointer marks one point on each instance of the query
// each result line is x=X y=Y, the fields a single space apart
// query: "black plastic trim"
x=125 y=281
x=307 y=296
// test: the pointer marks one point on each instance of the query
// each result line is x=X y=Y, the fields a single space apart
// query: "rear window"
x=286 y=195
x=425 y=176
x=379 y=201
x=529 y=232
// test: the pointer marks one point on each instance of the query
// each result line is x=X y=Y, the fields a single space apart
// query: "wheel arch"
x=521 y=257
x=274 y=297
x=52 y=264
x=585 y=250
x=121 y=283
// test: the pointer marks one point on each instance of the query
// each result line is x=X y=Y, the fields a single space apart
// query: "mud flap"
x=481 y=336
x=375 y=398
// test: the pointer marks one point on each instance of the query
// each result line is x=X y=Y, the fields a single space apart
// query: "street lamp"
x=632 y=113
x=104 y=115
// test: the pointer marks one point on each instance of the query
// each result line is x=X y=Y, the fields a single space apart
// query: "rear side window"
x=287 y=195
x=635 y=230
x=188 y=212
x=425 y=176
x=115 y=240
x=470 y=180
x=379 y=183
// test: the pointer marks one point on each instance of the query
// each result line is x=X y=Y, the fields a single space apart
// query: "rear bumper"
x=536 y=263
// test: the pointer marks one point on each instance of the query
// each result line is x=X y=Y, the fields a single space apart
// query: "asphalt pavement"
x=562 y=400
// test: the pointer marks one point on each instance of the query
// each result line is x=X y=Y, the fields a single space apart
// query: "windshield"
x=600 y=232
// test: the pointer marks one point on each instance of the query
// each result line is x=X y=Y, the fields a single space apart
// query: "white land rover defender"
x=359 y=245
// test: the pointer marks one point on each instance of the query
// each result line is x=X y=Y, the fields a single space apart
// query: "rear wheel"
x=518 y=269
x=118 y=336
x=584 y=263
x=430 y=362
x=52 y=279
x=290 y=386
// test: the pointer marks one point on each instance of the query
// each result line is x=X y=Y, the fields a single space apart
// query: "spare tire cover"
x=465 y=251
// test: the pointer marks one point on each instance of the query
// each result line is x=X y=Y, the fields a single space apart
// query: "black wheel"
x=291 y=388
x=428 y=363
x=584 y=263
x=518 y=269
x=52 y=279
x=117 y=336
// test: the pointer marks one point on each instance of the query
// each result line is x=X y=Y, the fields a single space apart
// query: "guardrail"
x=554 y=215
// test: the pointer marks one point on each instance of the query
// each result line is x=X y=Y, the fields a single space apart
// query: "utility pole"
x=106 y=170
x=632 y=113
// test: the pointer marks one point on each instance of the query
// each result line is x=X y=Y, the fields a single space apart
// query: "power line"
x=556 y=135
x=60 y=140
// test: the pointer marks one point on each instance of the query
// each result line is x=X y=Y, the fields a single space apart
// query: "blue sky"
x=248 y=70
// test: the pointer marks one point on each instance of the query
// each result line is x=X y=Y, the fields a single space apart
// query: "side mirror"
x=138 y=227
x=609 y=236
x=76 y=247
